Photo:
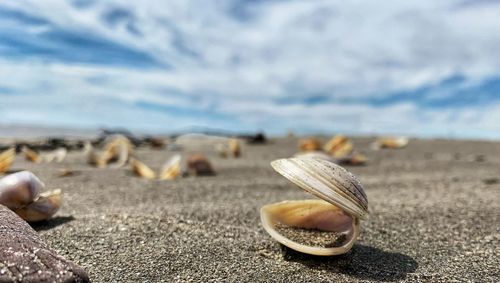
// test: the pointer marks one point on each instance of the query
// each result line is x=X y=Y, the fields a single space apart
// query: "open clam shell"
x=335 y=218
x=19 y=189
x=20 y=192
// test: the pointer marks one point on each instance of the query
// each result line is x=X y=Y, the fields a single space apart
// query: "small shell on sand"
x=21 y=192
x=31 y=155
x=142 y=170
x=309 y=144
x=390 y=142
x=6 y=159
x=172 y=169
x=199 y=165
x=235 y=147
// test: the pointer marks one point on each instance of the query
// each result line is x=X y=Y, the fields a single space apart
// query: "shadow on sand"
x=51 y=223
x=362 y=262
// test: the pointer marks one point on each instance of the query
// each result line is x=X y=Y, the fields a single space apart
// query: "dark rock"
x=479 y=158
x=491 y=181
x=258 y=138
x=154 y=142
x=25 y=258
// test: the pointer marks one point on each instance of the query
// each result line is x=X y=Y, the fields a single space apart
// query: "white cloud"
x=237 y=61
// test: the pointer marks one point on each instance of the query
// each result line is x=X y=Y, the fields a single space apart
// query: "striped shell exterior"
x=327 y=181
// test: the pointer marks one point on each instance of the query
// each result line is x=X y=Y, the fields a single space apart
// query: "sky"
x=414 y=67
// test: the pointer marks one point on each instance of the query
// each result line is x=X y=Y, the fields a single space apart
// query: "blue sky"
x=419 y=68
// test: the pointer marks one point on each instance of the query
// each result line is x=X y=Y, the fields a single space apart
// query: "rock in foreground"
x=25 y=258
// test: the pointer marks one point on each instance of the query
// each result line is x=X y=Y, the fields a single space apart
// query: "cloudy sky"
x=413 y=67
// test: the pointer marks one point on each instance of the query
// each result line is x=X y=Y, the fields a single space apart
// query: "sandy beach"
x=434 y=217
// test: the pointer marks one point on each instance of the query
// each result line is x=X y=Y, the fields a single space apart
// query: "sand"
x=435 y=216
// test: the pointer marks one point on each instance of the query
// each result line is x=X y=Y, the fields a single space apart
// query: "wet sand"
x=435 y=216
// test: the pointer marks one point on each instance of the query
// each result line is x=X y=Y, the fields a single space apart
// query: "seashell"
x=6 y=159
x=20 y=192
x=118 y=154
x=31 y=155
x=234 y=147
x=309 y=144
x=334 y=219
x=65 y=172
x=317 y=155
x=339 y=146
x=98 y=158
x=172 y=168
x=221 y=150
x=43 y=208
x=142 y=170
x=334 y=143
x=199 y=165
x=87 y=147
x=355 y=158
x=390 y=142
x=57 y=155
x=117 y=148
x=19 y=189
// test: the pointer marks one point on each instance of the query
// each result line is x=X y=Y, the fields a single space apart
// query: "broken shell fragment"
x=309 y=144
x=390 y=142
x=334 y=143
x=142 y=170
x=339 y=146
x=43 y=208
x=57 y=155
x=6 y=159
x=335 y=220
x=31 y=155
x=172 y=168
x=235 y=148
x=199 y=165
x=65 y=172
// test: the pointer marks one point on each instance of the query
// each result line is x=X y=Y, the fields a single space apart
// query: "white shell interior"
x=310 y=214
